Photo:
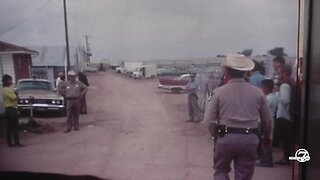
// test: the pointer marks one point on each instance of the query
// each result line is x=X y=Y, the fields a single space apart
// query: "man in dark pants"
x=83 y=78
x=10 y=100
x=277 y=63
x=73 y=91
x=273 y=101
x=233 y=116
x=193 y=107
x=285 y=113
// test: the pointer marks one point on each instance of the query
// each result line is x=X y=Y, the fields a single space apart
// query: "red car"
x=176 y=85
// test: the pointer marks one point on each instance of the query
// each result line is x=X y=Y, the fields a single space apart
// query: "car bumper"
x=42 y=107
x=160 y=86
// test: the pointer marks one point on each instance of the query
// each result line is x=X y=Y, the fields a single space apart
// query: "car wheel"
x=176 y=90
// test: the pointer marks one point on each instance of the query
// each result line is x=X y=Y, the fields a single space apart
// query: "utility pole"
x=66 y=32
x=87 y=48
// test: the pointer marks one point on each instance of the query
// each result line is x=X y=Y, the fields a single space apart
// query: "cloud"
x=150 y=29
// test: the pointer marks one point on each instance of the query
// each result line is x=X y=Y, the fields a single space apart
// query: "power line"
x=25 y=19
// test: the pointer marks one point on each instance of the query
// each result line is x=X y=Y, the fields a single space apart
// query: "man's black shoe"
x=10 y=145
x=20 y=145
x=76 y=129
x=67 y=131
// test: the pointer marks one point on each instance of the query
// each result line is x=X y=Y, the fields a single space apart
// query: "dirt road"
x=132 y=131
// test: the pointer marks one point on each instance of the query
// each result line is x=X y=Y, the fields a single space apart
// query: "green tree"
x=277 y=51
x=247 y=52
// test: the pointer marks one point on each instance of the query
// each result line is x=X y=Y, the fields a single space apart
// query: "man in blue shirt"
x=256 y=77
x=273 y=100
x=194 y=110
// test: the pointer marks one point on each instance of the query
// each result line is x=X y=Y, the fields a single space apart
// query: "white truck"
x=146 y=71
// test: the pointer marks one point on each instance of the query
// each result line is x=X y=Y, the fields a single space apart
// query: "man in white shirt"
x=285 y=113
x=60 y=79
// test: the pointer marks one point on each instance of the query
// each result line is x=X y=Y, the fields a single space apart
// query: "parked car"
x=176 y=85
x=120 y=69
x=40 y=94
x=171 y=72
x=91 y=68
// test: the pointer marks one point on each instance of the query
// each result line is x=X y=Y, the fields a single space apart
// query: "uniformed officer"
x=73 y=90
x=232 y=115
x=193 y=107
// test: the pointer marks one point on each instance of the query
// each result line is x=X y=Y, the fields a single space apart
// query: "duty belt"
x=221 y=130
x=233 y=130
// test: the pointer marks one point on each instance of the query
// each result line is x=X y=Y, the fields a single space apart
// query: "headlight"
x=26 y=101
x=53 y=102
x=20 y=101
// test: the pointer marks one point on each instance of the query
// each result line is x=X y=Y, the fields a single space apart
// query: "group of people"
x=280 y=93
x=247 y=111
x=73 y=90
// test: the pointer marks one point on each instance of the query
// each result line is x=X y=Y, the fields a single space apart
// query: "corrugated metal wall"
x=7 y=65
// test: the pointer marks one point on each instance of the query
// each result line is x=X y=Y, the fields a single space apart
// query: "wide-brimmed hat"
x=72 y=73
x=238 y=62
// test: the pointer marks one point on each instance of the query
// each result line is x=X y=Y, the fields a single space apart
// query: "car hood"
x=42 y=94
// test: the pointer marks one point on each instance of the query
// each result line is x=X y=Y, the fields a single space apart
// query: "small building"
x=16 y=61
x=52 y=60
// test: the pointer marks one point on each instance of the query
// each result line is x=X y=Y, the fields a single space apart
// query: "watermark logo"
x=302 y=155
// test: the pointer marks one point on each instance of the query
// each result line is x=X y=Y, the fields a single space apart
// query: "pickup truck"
x=176 y=85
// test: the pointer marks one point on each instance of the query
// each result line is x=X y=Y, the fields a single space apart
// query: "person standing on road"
x=61 y=78
x=277 y=64
x=73 y=91
x=233 y=118
x=273 y=100
x=193 y=107
x=256 y=76
x=10 y=99
x=83 y=78
x=285 y=113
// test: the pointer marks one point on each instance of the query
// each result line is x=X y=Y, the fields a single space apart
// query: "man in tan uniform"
x=232 y=115
x=73 y=91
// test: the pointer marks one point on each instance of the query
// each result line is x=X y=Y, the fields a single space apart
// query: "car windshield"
x=34 y=85
x=182 y=78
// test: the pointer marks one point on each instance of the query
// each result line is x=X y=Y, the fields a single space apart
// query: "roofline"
x=21 y=52
x=24 y=51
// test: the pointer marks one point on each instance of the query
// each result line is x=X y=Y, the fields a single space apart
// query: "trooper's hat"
x=239 y=62
x=72 y=73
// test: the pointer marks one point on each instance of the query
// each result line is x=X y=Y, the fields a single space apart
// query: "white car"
x=120 y=70
x=91 y=69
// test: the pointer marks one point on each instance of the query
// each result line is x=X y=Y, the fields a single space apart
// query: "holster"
x=220 y=130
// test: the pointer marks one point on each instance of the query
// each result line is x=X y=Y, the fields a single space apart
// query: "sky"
x=154 y=29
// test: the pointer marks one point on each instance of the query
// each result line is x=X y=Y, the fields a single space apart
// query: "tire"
x=176 y=90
